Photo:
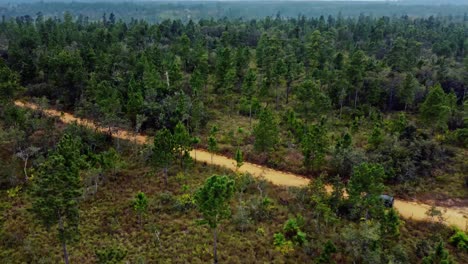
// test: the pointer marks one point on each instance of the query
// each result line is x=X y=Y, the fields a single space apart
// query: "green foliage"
x=376 y=137
x=399 y=125
x=282 y=244
x=110 y=161
x=266 y=132
x=314 y=145
x=460 y=240
x=239 y=158
x=163 y=150
x=213 y=198
x=391 y=224
x=57 y=188
x=362 y=242
x=292 y=231
x=182 y=140
x=110 y=255
x=435 y=110
x=261 y=208
x=9 y=84
x=140 y=203
x=312 y=100
x=364 y=188
x=367 y=178
x=326 y=255
x=438 y=256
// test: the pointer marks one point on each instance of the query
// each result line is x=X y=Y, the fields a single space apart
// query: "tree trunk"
x=288 y=89
x=355 y=99
x=62 y=239
x=277 y=97
x=65 y=253
x=250 y=113
x=341 y=108
x=165 y=176
x=215 y=246
x=25 y=168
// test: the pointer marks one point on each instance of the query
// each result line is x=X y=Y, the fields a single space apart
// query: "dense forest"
x=157 y=11
x=368 y=105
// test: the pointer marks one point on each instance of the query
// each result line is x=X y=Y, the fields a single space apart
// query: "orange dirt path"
x=453 y=216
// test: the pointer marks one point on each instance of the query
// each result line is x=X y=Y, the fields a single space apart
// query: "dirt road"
x=452 y=216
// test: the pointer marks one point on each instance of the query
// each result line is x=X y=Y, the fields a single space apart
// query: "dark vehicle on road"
x=387 y=199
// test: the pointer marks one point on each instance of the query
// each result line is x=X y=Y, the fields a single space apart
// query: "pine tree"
x=326 y=255
x=408 y=90
x=9 y=85
x=434 y=110
x=212 y=143
x=439 y=256
x=391 y=225
x=312 y=100
x=182 y=142
x=239 y=158
x=376 y=137
x=364 y=188
x=213 y=200
x=266 y=132
x=314 y=145
x=163 y=151
x=57 y=188
x=140 y=205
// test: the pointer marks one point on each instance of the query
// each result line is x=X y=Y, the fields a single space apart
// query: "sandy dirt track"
x=453 y=216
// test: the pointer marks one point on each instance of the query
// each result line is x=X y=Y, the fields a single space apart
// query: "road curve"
x=411 y=210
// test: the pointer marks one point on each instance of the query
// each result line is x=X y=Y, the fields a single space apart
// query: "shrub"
x=261 y=208
x=293 y=232
x=282 y=244
x=184 y=202
x=110 y=255
x=460 y=240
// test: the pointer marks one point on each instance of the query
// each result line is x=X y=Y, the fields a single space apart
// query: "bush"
x=293 y=232
x=460 y=240
x=261 y=208
x=184 y=202
x=458 y=137
x=241 y=218
x=111 y=255
x=281 y=244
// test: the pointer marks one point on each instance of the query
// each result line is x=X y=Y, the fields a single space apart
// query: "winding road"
x=453 y=216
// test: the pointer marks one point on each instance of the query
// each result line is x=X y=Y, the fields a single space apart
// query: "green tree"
x=314 y=145
x=140 y=205
x=434 y=109
x=439 y=256
x=356 y=72
x=391 y=225
x=376 y=137
x=135 y=102
x=312 y=100
x=266 y=132
x=57 y=188
x=9 y=85
x=326 y=255
x=459 y=240
x=364 y=188
x=109 y=161
x=163 y=151
x=249 y=89
x=407 y=90
x=239 y=158
x=182 y=142
x=212 y=143
x=213 y=200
